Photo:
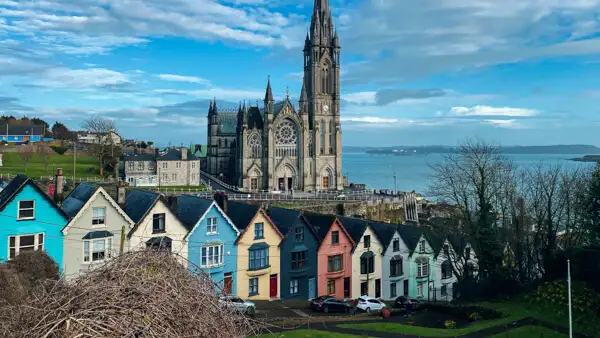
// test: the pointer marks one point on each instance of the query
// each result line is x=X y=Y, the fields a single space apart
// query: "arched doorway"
x=287 y=179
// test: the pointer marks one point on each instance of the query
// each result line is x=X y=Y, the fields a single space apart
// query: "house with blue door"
x=211 y=240
x=29 y=221
x=298 y=251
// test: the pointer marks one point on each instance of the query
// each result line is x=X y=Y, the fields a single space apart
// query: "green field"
x=86 y=166
x=530 y=331
x=308 y=334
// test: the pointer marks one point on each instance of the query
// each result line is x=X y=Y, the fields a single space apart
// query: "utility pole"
x=395 y=186
x=122 y=244
x=570 y=307
x=74 y=159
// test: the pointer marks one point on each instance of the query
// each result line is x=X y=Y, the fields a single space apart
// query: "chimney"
x=121 y=194
x=221 y=199
x=172 y=202
x=59 y=186
x=183 y=154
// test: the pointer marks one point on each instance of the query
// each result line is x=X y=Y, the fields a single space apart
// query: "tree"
x=592 y=206
x=61 y=132
x=42 y=151
x=26 y=152
x=150 y=144
x=101 y=128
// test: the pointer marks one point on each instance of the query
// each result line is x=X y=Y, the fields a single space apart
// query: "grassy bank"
x=530 y=331
x=86 y=166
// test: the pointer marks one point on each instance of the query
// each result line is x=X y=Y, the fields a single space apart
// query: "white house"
x=94 y=138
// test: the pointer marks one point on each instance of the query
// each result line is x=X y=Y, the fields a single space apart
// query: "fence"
x=9 y=177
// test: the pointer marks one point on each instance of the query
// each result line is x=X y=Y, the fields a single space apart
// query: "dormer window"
x=422 y=246
x=367 y=241
x=98 y=216
x=158 y=223
x=26 y=210
x=396 y=245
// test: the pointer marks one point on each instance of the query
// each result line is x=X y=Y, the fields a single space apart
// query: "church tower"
x=322 y=86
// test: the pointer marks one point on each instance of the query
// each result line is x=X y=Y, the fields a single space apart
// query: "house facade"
x=395 y=268
x=298 y=252
x=422 y=276
x=175 y=167
x=258 y=258
x=94 y=138
x=140 y=170
x=18 y=133
x=156 y=225
x=94 y=231
x=30 y=221
x=210 y=241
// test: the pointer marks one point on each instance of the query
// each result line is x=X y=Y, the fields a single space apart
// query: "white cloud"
x=183 y=78
x=511 y=124
x=82 y=78
x=370 y=119
x=219 y=93
x=360 y=97
x=491 y=111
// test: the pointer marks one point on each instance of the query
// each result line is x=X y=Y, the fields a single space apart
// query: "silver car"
x=236 y=303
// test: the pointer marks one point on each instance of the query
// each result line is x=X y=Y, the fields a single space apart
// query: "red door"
x=273 y=287
x=228 y=283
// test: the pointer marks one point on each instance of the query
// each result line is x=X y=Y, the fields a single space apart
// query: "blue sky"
x=413 y=72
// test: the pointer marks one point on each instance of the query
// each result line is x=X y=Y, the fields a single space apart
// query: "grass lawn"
x=308 y=333
x=530 y=331
x=87 y=166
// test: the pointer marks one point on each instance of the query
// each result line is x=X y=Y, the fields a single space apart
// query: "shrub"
x=450 y=324
x=59 y=150
x=475 y=316
x=35 y=266
x=464 y=311
x=13 y=287
x=556 y=295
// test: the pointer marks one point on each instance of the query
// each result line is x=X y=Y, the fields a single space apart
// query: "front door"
x=364 y=289
x=290 y=183
x=377 y=288
x=228 y=283
x=431 y=291
x=406 y=287
x=281 y=184
x=273 y=287
x=347 y=287
x=312 y=288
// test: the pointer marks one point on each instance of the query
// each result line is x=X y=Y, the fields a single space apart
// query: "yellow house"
x=258 y=261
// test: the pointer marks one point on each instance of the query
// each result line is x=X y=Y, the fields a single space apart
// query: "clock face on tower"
x=326 y=108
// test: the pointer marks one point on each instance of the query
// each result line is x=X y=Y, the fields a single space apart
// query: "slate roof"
x=410 y=234
x=175 y=155
x=435 y=241
x=458 y=243
x=241 y=214
x=227 y=122
x=200 y=150
x=320 y=223
x=385 y=232
x=354 y=226
x=138 y=203
x=191 y=208
x=255 y=119
x=78 y=198
x=21 y=130
x=16 y=185
x=284 y=219
x=140 y=157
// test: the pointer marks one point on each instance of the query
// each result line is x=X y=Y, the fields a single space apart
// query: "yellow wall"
x=272 y=238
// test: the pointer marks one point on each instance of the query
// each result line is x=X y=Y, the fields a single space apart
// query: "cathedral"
x=281 y=146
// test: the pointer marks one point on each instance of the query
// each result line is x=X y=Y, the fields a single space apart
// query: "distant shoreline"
x=587 y=150
x=586 y=158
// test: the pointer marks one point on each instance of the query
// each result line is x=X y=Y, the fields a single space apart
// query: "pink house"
x=334 y=256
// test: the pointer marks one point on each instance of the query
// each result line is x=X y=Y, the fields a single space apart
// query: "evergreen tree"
x=593 y=206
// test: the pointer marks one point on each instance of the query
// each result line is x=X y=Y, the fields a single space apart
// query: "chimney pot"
x=183 y=154
x=221 y=199
x=59 y=186
x=121 y=193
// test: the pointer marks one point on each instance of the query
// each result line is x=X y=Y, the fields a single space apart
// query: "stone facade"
x=177 y=167
x=279 y=146
x=140 y=170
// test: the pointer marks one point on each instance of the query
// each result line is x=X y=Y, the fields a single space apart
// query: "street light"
x=395 y=185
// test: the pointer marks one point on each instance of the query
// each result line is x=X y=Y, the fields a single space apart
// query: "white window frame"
x=212 y=225
x=98 y=218
x=422 y=246
x=294 y=286
x=217 y=256
x=37 y=244
x=19 y=208
x=89 y=245
x=422 y=267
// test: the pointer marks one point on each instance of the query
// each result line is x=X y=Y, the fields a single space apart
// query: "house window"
x=131 y=165
x=98 y=215
x=97 y=250
x=16 y=244
x=422 y=246
x=26 y=210
x=294 y=287
x=254 y=183
x=468 y=253
x=158 y=223
x=367 y=265
x=212 y=256
x=253 y=287
x=396 y=245
x=165 y=177
x=259 y=230
x=446 y=269
x=193 y=165
x=422 y=267
x=258 y=259
x=393 y=290
x=330 y=286
x=298 y=260
x=164 y=165
x=396 y=266
x=211 y=225
x=177 y=165
x=299 y=234
x=446 y=249
x=335 y=237
x=444 y=290
x=334 y=263
x=174 y=177
x=140 y=165
x=151 y=166
x=367 y=241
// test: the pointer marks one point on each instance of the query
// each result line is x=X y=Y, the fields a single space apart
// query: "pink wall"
x=327 y=249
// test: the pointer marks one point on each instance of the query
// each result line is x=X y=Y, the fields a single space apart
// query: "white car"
x=368 y=304
x=238 y=304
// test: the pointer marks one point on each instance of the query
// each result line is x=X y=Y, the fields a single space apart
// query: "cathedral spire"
x=303 y=96
x=215 y=105
x=210 y=108
x=269 y=92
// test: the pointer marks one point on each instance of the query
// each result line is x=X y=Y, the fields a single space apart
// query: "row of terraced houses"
x=248 y=250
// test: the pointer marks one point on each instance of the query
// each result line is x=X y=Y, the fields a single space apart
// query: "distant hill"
x=551 y=149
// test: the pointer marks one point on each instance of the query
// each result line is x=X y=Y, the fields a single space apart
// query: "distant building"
x=200 y=151
x=21 y=133
x=92 y=138
x=175 y=167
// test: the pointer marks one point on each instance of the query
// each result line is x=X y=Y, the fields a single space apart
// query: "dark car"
x=316 y=300
x=332 y=305
x=401 y=301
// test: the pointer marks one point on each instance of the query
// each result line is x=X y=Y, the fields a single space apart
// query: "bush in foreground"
x=35 y=266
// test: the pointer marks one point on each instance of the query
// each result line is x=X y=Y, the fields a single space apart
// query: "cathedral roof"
x=279 y=106
x=227 y=122
x=255 y=119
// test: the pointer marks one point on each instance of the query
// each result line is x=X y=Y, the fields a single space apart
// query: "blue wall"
x=225 y=235
x=12 y=138
x=290 y=245
x=48 y=220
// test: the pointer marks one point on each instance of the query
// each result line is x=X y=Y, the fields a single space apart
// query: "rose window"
x=285 y=133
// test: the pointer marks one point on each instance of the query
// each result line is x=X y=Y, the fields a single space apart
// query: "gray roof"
x=16 y=185
x=320 y=223
x=385 y=232
x=255 y=119
x=78 y=198
x=175 y=155
x=410 y=234
x=354 y=226
x=284 y=219
x=227 y=122
x=140 y=157
x=21 y=129
x=139 y=202
x=191 y=208
x=241 y=214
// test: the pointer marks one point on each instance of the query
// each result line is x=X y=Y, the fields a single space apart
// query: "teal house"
x=211 y=240
x=29 y=221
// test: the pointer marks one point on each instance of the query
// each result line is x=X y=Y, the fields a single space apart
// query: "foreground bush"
x=35 y=266
x=13 y=287
x=139 y=294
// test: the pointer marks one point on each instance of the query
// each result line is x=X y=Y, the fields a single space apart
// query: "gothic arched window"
x=325 y=82
x=286 y=139
x=331 y=137
x=322 y=138
x=255 y=145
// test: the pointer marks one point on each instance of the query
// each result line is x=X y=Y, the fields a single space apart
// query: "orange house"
x=334 y=256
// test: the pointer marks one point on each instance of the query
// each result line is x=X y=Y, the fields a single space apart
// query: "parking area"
x=289 y=309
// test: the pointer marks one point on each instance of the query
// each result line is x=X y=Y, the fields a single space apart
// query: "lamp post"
x=395 y=185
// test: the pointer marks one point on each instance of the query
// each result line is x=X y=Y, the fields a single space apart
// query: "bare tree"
x=26 y=152
x=101 y=128
x=42 y=151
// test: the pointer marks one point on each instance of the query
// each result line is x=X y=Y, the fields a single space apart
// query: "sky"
x=427 y=72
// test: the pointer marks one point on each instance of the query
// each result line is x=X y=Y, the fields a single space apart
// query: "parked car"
x=238 y=304
x=368 y=304
x=401 y=301
x=317 y=300
x=332 y=305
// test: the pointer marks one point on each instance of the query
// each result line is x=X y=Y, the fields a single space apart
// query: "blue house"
x=18 y=133
x=211 y=240
x=298 y=251
x=30 y=220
